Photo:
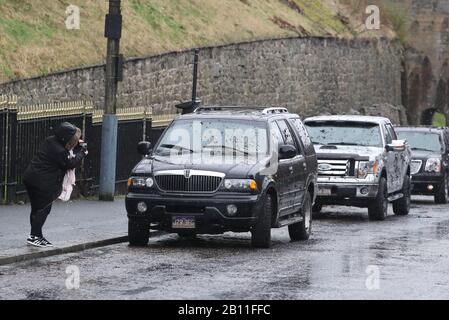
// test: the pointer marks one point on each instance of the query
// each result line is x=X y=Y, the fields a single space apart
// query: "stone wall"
x=309 y=75
x=427 y=58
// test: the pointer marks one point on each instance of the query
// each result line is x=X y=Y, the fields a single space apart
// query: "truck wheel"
x=442 y=193
x=302 y=230
x=401 y=207
x=138 y=233
x=378 y=208
x=261 y=232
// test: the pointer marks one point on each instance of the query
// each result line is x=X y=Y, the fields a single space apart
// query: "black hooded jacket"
x=45 y=173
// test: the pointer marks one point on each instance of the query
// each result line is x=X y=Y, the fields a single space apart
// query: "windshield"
x=424 y=141
x=344 y=133
x=214 y=138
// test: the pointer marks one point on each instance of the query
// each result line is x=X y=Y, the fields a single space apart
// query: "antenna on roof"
x=190 y=106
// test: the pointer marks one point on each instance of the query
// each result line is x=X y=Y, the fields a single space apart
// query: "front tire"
x=442 y=193
x=261 y=232
x=302 y=230
x=378 y=209
x=401 y=207
x=138 y=233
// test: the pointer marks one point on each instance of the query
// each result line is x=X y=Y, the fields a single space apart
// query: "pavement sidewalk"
x=71 y=226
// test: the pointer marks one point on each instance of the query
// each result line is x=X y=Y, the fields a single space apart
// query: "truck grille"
x=415 y=166
x=338 y=168
x=195 y=182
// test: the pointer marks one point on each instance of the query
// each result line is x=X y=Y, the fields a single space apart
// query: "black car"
x=225 y=169
x=430 y=160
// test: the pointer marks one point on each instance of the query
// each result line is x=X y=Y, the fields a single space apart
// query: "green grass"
x=23 y=32
x=321 y=15
x=158 y=20
x=6 y=71
x=399 y=18
x=439 y=119
x=34 y=40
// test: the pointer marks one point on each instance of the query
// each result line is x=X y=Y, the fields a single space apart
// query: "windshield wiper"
x=227 y=148
x=422 y=149
x=174 y=146
x=343 y=144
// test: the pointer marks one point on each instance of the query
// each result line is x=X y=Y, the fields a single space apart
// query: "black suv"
x=222 y=169
x=430 y=160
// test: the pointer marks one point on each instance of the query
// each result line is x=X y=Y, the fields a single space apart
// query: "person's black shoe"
x=46 y=242
x=36 y=241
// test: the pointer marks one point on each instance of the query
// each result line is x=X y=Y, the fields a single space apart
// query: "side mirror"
x=396 y=146
x=287 y=151
x=144 y=148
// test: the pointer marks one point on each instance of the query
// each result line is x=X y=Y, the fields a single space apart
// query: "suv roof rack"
x=274 y=110
x=263 y=110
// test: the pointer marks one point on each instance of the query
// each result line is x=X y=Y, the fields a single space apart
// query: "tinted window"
x=286 y=133
x=348 y=133
x=214 y=136
x=391 y=132
x=388 y=135
x=276 y=132
x=297 y=124
x=424 y=141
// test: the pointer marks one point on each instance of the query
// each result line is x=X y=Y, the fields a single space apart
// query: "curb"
x=69 y=249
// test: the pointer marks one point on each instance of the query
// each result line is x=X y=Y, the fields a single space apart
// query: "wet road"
x=347 y=257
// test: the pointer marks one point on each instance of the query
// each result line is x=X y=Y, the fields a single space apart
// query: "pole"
x=113 y=27
x=190 y=106
x=195 y=75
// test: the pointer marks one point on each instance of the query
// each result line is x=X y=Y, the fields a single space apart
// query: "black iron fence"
x=23 y=129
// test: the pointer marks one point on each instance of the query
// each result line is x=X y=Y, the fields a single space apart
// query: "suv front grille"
x=195 y=182
x=337 y=168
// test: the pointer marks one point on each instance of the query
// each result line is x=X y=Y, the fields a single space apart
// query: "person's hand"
x=83 y=146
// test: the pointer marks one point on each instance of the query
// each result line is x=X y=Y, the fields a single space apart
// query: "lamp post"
x=113 y=30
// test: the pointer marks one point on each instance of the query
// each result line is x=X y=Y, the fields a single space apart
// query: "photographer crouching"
x=44 y=176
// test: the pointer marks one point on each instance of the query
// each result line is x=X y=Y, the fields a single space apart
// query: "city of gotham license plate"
x=183 y=222
x=324 y=191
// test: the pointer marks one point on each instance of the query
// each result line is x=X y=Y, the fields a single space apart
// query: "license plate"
x=182 y=222
x=324 y=192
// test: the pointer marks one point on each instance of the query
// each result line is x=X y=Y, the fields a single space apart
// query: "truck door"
x=395 y=168
x=297 y=169
x=283 y=171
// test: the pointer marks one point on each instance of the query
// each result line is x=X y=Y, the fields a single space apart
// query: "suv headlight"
x=140 y=182
x=240 y=185
x=365 y=168
x=433 y=165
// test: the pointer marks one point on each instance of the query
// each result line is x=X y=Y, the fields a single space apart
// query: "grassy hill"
x=35 y=41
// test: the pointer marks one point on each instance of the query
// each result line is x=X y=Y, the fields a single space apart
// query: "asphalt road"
x=347 y=257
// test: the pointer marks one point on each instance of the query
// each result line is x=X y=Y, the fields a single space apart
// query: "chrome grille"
x=188 y=181
x=333 y=168
x=415 y=166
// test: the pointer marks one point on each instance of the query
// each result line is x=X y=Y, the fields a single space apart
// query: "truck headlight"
x=365 y=168
x=433 y=165
x=140 y=182
x=149 y=182
x=240 y=185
